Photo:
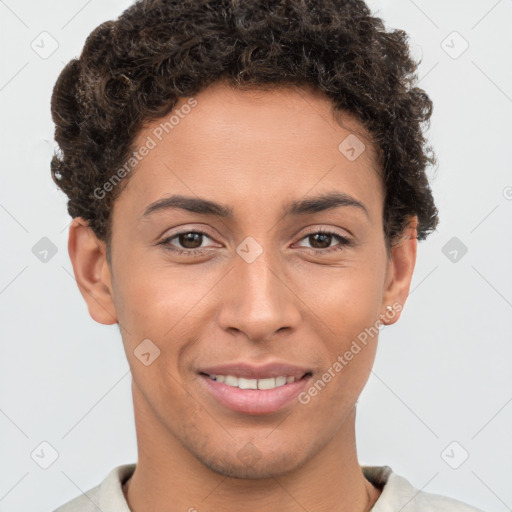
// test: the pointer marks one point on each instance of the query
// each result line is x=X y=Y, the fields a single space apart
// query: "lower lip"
x=255 y=401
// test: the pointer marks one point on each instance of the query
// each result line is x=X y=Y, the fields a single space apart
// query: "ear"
x=399 y=273
x=92 y=273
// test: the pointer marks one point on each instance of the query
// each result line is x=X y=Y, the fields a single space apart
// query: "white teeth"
x=280 y=381
x=269 y=383
x=243 y=383
x=247 y=383
x=231 y=380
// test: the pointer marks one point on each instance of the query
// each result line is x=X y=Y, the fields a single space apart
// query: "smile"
x=255 y=396
x=243 y=383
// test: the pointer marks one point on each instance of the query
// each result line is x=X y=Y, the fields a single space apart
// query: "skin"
x=252 y=150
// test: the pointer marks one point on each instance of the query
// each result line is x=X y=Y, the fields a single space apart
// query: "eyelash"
x=343 y=241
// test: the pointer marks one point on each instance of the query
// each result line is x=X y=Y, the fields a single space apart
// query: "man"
x=247 y=182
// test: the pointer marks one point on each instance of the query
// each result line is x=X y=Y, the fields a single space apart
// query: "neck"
x=169 y=478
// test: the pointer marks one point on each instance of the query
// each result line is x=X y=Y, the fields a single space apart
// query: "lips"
x=255 y=401
x=250 y=371
x=266 y=397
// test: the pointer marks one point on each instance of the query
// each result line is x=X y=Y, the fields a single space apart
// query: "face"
x=291 y=270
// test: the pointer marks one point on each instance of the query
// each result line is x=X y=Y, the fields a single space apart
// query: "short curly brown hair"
x=135 y=69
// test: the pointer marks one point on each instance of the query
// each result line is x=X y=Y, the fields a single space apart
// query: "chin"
x=250 y=464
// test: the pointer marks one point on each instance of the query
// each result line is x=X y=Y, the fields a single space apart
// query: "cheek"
x=162 y=304
x=348 y=298
x=151 y=299
x=153 y=306
x=349 y=311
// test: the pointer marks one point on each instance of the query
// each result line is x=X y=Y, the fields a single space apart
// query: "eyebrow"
x=323 y=202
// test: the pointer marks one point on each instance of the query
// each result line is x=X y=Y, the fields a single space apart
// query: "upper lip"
x=252 y=371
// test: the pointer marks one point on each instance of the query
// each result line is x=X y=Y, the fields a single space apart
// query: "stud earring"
x=389 y=308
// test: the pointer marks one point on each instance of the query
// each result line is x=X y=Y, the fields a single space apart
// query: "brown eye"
x=191 y=240
x=187 y=243
x=320 y=242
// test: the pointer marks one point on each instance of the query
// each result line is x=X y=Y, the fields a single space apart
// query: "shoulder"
x=420 y=501
x=399 y=494
x=105 y=497
x=87 y=502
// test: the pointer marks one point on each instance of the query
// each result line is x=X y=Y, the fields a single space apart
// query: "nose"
x=258 y=298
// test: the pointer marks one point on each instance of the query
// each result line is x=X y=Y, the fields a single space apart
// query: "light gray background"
x=442 y=373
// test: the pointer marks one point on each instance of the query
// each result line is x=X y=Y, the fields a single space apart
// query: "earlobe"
x=90 y=266
x=400 y=269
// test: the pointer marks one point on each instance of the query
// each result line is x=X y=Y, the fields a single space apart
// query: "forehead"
x=260 y=143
